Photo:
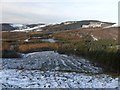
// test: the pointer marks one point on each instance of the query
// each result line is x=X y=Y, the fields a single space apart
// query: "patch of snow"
x=26 y=40
x=69 y=22
x=115 y=25
x=94 y=38
x=93 y=25
x=17 y=25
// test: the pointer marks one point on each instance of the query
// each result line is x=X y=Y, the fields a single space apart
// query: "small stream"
x=49 y=40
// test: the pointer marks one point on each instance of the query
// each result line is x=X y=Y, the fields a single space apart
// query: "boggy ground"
x=96 y=44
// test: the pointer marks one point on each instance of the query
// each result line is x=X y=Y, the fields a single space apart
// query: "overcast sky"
x=56 y=11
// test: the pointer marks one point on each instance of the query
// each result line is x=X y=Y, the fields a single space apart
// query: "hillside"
x=94 y=34
x=70 y=25
x=19 y=27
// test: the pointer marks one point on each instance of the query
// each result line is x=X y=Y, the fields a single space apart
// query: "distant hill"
x=15 y=26
x=6 y=27
x=69 y=25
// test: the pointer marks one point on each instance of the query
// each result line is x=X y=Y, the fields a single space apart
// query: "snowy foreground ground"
x=52 y=70
x=39 y=79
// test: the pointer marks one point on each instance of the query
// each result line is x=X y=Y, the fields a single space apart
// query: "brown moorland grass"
x=14 y=35
x=104 y=51
x=29 y=47
x=18 y=36
x=5 y=46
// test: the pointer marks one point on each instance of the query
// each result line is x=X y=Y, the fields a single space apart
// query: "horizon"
x=55 y=23
x=51 y=12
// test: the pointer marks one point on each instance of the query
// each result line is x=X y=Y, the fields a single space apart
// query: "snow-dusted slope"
x=16 y=27
x=50 y=60
x=115 y=25
x=25 y=28
x=36 y=28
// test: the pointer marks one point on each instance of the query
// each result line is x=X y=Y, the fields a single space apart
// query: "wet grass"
x=103 y=52
x=42 y=46
x=14 y=43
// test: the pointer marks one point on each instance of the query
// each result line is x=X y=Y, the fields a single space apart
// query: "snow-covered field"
x=40 y=79
x=50 y=60
x=50 y=69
